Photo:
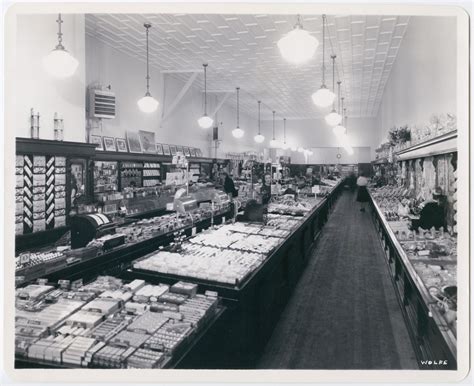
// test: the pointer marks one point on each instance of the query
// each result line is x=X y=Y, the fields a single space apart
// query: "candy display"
x=432 y=252
x=107 y=331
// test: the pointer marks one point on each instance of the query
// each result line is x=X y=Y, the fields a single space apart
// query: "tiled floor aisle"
x=343 y=313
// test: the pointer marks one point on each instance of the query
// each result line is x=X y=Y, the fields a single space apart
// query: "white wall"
x=423 y=77
x=35 y=88
x=315 y=134
x=126 y=75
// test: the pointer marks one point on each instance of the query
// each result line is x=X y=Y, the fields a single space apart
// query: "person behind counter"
x=433 y=213
x=266 y=190
x=229 y=186
x=362 y=193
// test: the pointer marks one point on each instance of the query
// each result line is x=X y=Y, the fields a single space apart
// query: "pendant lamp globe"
x=339 y=130
x=273 y=142
x=147 y=104
x=298 y=46
x=205 y=122
x=323 y=97
x=259 y=138
x=59 y=63
x=333 y=118
x=238 y=132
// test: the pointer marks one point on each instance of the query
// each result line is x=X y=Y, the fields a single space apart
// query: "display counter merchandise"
x=137 y=316
x=110 y=323
x=130 y=239
x=253 y=266
x=423 y=265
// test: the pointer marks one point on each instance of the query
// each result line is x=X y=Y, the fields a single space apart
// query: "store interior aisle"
x=344 y=312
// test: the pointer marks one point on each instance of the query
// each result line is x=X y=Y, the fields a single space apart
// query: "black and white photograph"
x=109 y=144
x=322 y=222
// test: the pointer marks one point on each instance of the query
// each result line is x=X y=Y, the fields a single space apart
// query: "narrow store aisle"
x=343 y=313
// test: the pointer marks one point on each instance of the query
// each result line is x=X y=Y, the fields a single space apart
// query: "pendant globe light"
x=340 y=130
x=238 y=132
x=273 y=142
x=259 y=138
x=147 y=104
x=205 y=122
x=345 y=138
x=323 y=97
x=59 y=62
x=284 y=145
x=333 y=118
x=298 y=46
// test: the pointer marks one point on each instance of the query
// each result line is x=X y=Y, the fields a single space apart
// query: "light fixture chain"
x=273 y=125
x=259 y=102
x=238 y=88
x=342 y=109
x=205 y=89
x=147 y=26
x=324 y=44
x=284 y=130
x=333 y=57
x=60 y=34
x=339 y=97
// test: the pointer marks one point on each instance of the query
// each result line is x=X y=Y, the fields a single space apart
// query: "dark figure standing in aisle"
x=229 y=186
x=362 y=193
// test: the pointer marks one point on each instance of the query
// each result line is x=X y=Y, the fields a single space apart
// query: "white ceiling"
x=242 y=51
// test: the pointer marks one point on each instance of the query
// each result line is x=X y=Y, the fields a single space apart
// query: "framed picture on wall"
x=109 y=144
x=97 y=140
x=179 y=149
x=192 y=151
x=121 y=145
x=166 y=149
x=186 y=151
x=159 y=149
x=134 y=144
x=147 y=139
x=173 y=149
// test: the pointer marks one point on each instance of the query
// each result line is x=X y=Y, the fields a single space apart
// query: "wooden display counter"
x=432 y=339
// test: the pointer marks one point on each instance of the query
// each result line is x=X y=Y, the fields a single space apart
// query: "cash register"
x=86 y=227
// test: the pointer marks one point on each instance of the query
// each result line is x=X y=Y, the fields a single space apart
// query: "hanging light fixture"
x=345 y=138
x=205 y=122
x=298 y=45
x=259 y=138
x=340 y=130
x=333 y=118
x=274 y=143
x=147 y=104
x=238 y=132
x=323 y=97
x=284 y=145
x=59 y=62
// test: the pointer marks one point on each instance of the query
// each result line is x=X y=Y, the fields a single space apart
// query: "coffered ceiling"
x=242 y=51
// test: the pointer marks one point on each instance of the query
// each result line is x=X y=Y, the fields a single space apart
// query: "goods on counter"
x=282 y=221
x=203 y=262
x=106 y=331
x=292 y=207
x=26 y=260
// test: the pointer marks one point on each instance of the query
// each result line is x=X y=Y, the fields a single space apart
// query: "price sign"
x=64 y=284
x=19 y=279
x=193 y=231
x=42 y=281
x=76 y=284
x=24 y=258
x=222 y=219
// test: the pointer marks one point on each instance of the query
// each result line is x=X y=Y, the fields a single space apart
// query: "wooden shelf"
x=443 y=144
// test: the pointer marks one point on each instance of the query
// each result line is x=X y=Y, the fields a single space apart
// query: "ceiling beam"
x=220 y=104
x=181 y=71
x=180 y=96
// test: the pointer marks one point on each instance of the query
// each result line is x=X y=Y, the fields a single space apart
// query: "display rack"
x=430 y=335
x=43 y=188
x=443 y=144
